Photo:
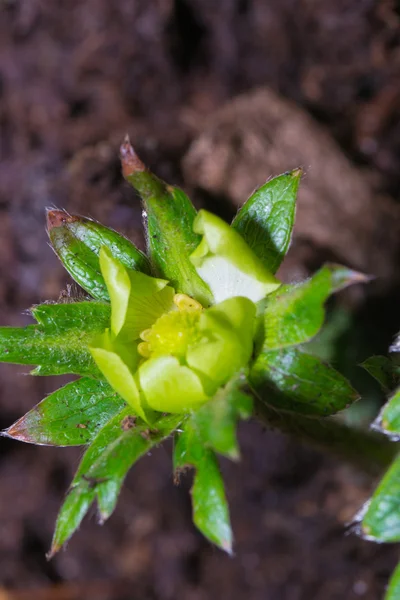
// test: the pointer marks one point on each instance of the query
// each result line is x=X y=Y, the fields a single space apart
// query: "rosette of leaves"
x=183 y=341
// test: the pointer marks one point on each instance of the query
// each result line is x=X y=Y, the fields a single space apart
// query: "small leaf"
x=216 y=420
x=210 y=508
x=118 y=445
x=170 y=235
x=71 y=416
x=59 y=343
x=388 y=420
x=393 y=590
x=381 y=521
x=77 y=242
x=266 y=219
x=290 y=379
x=295 y=313
x=384 y=370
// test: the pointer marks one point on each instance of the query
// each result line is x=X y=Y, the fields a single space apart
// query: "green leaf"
x=384 y=370
x=210 y=507
x=170 y=235
x=216 y=420
x=77 y=242
x=71 y=416
x=118 y=445
x=381 y=521
x=388 y=420
x=290 y=379
x=393 y=590
x=295 y=313
x=266 y=219
x=59 y=343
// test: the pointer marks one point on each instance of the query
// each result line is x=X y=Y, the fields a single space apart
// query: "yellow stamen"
x=184 y=302
x=144 y=349
x=145 y=335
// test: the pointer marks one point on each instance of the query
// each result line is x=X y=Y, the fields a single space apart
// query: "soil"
x=75 y=76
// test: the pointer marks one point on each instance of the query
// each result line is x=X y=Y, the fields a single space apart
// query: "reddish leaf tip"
x=53 y=551
x=17 y=431
x=130 y=161
x=297 y=172
x=58 y=218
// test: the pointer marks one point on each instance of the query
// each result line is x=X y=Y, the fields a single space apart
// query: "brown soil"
x=75 y=76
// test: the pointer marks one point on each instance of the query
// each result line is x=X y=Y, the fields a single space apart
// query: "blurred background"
x=217 y=97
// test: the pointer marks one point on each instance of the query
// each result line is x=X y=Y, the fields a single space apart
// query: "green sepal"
x=216 y=420
x=227 y=264
x=266 y=220
x=71 y=416
x=393 y=590
x=169 y=218
x=381 y=518
x=103 y=468
x=210 y=507
x=290 y=379
x=77 y=242
x=384 y=370
x=59 y=343
x=294 y=314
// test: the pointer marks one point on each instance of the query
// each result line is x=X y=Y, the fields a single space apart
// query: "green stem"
x=367 y=450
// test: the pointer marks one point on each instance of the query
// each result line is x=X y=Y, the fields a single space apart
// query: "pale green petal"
x=227 y=264
x=236 y=313
x=169 y=386
x=228 y=341
x=137 y=300
x=117 y=372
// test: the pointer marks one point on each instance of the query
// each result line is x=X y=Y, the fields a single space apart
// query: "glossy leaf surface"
x=210 y=507
x=59 y=343
x=77 y=242
x=292 y=380
x=382 y=518
x=71 y=416
x=118 y=445
x=169 y=218
x=266 y=219
x=295 y=313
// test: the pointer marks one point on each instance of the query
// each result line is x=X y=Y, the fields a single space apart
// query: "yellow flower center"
x=172 y=333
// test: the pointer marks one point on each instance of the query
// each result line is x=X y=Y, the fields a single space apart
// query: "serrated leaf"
x=77 y=242
x=170 y=236
x=290 y=379
x=388 y=420
x=59 y=343
x=210 y=507
x=216 y=420
x=295 y=313
x=118 y=445
x=266 y=219
x=393 y=590
x=381 y=521
x=71 y=416
x=384 y=370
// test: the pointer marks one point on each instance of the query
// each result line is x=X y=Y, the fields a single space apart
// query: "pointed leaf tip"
x=130 y=161
x=57 y=218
